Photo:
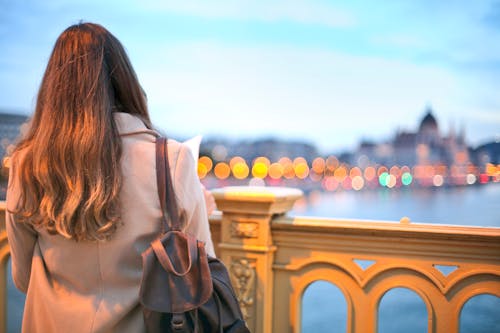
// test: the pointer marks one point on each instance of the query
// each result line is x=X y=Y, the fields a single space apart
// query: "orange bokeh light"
x=369 y=173
x=276 y=171
x=355 y=172
x=381 y=170
x=207 y=162
x=340 y=173
x=222 y=170
x=318 y=165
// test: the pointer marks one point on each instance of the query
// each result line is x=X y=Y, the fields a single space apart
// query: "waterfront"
x=467 y=205
x=473 y=205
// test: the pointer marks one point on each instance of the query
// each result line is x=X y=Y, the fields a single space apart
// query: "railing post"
x=247 y=248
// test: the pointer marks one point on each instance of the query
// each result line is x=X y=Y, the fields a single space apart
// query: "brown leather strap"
x=191 y=250
x=161 y=181
x=166 y=192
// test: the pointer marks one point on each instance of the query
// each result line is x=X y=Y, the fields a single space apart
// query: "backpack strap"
x=168 y=201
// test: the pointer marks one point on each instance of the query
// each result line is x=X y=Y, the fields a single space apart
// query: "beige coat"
x=93 y=286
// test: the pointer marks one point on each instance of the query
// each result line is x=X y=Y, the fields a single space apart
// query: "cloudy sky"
x=329 y=72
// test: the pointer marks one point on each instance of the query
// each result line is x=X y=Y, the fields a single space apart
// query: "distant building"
x=426 y=146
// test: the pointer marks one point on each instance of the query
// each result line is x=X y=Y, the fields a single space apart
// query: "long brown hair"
x=69 y=166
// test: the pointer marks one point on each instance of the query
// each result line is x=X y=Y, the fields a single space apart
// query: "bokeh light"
x=204 y=166
x=219 y=153
x=319 y=165
x=332 y=175
x=262 y=159
x=355 y=172
x=383 y=179
x=222 y=170
x=259 y=170
x=257 y=182
x=391 y=181
x=437 y=180
x=207 y=161
x=235 y=160
x=357 y=183
x=340 y=173
x=406 y=178
x=381 y=170
x=300 y=167
x=330 y=184
x=276 y=171
x=394 y=170
x=240 y=170
x=471 y=179
x=202 y=170
x=369 y=173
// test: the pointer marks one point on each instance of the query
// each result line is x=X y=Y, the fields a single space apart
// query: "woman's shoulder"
x=182 y=164
x=178 y=152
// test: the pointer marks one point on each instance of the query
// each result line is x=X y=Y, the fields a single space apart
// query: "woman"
x=82 y=199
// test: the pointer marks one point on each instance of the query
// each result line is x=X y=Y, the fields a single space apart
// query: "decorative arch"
x=377 y=271
x=472 y=274
x=309 y=274
x=348 y=266
x=397 y=277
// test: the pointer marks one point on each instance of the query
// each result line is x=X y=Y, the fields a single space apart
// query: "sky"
x=330 y=73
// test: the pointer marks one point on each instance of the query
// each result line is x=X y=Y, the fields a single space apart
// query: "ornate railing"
x=273 y=258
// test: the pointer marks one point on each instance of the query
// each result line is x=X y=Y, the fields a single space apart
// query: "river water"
x=401 y=310
x=472 y=205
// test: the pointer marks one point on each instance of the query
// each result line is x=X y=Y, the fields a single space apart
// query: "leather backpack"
x=183 y=289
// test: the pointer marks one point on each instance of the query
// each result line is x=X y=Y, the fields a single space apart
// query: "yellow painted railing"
x=273 y=258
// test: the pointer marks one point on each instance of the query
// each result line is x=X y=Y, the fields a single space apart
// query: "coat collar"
x=129 y=124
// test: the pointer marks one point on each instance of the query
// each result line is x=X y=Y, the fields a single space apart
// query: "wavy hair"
x=69 y=159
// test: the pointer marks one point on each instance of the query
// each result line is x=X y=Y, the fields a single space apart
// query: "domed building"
x=426 y=146
x=429 y=143
x=429 y=122
x=429 y=128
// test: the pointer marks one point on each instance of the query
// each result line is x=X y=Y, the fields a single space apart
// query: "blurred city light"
x=330 y=175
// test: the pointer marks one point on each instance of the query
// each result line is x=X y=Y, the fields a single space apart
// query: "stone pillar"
x=247 y=248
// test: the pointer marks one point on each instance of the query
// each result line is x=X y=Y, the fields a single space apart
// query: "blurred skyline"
x=327 y=72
